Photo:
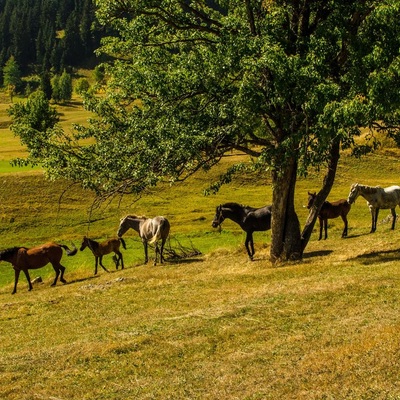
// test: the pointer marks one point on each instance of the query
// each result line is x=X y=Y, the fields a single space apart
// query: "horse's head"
x=311 y=198
x=218 y=218
x=8 y=254
x=123 y=226
x=84 y=243
x=354 y=192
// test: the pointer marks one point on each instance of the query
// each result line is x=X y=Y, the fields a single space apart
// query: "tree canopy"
x=289 y=83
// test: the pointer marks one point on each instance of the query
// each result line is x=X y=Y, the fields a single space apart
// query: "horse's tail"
x=123 y=242
x=68 y=250
x=159 y=233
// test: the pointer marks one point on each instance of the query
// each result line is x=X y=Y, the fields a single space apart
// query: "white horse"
x=377 y=198
x=150 y=230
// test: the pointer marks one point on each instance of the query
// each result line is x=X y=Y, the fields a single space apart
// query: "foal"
x=328 y=211
x=101 y=249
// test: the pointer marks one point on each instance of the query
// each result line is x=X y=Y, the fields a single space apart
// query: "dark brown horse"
x=23 y=259
x=329 y=210
x=101 y=249
x=250 y=220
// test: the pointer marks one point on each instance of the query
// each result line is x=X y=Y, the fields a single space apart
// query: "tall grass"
x=207 y=327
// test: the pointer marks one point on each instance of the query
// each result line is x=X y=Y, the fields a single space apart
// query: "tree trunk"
x=322 y=194
x=286 y=241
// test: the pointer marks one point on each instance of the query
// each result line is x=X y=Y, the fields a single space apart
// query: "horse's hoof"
x=63 y=280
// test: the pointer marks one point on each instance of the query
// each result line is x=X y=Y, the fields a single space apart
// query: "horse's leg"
x=252 y=246
x=326 y=228
x=162 y=250
x=249 y=239
x=146 y=258
x=156 y=251
x=57 y=271
x=122 y=260
x=119 y=258
x=374 y=219
x=96 y=264
x=321 y=226
x=394 y=217
x=101 y=264
x=62 y=269
x=28 y=278
x=372 y=210
x=16 y=274
x=344 y=218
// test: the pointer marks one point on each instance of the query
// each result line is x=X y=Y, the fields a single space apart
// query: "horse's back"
x=151 y=226
x=259 y=219
x=39 y=256
x=388 y=197
x=335 y=208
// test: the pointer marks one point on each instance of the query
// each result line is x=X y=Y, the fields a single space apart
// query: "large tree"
x=290 y=83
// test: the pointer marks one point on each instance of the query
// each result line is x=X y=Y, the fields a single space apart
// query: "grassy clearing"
x=214 y=326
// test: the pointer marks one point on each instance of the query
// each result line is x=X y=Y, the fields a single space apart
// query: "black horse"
x=250 y=220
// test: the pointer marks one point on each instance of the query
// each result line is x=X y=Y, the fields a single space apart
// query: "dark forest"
x=48 y=35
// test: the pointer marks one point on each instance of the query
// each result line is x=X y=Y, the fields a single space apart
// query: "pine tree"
x=12 y=76
x=65 y=85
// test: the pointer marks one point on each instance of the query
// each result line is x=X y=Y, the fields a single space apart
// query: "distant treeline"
x=47 y=34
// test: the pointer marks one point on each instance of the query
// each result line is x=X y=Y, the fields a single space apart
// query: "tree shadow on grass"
x=318 y=253
x=378 y=257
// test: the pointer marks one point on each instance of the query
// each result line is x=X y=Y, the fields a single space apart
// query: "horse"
x=150 y=230
x=377 y=198
x=23 y=259
x=250 y=220
x=101 y=249
x=339 y=208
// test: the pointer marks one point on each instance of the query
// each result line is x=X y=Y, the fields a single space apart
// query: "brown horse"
x=23 y=259
x=328 y=211
x=101 y=249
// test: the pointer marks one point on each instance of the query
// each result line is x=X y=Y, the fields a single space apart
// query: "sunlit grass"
x=208 y=327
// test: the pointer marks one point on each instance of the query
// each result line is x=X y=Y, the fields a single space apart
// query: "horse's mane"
x=91 y=240
x=236 y=206
x=134 y=216
x=370 y=189
x=11 y=250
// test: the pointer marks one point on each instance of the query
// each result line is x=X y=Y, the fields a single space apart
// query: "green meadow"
x=211 y=326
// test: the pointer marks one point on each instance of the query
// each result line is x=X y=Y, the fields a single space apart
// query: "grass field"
x=207 y=327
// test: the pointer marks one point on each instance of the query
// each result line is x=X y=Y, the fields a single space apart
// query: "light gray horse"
x=377 y=198
x=150 y=230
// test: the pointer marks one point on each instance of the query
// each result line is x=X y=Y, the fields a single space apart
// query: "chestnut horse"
x=150 y=230
x=23 y=259
x=101 y=249
x=330 y=210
